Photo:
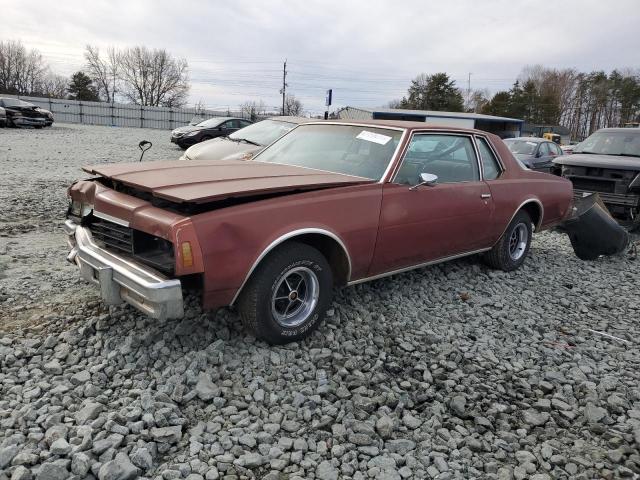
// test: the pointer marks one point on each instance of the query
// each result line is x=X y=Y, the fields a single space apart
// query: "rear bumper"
x=122 y=280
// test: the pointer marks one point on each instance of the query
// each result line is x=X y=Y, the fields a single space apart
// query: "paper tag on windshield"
x=373 y=137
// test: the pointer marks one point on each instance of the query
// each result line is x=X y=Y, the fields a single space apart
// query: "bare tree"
x=253 y=109
x=54 y=86
x=292 y=106
x=21 y=70
x=154 y=77
x=103 y=70
x=478 y=100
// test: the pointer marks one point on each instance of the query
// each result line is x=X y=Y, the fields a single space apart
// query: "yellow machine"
x=554 y=137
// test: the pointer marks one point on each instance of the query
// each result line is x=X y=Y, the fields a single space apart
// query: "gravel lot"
x=454 y=371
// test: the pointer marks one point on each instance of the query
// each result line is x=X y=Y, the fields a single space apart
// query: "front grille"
x=148 y=249
x=112 y=235
x=593 y=185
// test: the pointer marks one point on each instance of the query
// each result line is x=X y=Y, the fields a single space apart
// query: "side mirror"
x=428 y=179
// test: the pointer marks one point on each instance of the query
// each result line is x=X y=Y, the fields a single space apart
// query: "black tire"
x=507 y=256
x=256 y=304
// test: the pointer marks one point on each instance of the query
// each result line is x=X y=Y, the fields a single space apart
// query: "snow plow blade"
x=593 y=231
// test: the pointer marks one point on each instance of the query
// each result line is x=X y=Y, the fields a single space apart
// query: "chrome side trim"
x=420 y=265
x=110 y=218
x=394 y=158
x=283 y=238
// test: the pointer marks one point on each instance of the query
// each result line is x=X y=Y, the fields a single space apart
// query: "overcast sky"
x=367 y=51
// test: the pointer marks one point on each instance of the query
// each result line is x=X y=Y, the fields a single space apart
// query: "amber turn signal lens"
x=187 y=258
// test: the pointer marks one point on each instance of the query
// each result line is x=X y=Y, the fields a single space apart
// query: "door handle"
x=485 y=195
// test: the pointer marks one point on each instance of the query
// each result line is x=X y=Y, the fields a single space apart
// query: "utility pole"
x=284 y=85
x=469 y=91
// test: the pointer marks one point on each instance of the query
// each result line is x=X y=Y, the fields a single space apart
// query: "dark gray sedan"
x=206 y=130
x=535 y=153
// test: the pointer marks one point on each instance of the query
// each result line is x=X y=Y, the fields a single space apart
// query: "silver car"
x=244 y=143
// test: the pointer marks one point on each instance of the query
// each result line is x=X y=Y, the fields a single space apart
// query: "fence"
x=122 y=114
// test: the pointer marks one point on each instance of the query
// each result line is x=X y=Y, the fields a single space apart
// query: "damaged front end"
x=592 y=230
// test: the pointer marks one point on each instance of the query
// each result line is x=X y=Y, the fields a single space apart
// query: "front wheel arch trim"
x=291 y=236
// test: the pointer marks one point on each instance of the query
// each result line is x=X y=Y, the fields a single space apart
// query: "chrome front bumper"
x=122 y=280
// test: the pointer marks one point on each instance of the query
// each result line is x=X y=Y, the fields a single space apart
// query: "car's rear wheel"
x=287 y=295
x=513 y=247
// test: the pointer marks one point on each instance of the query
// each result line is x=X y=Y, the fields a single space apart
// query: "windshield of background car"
x=362 y=151
x=522 y=147
x=212 y=122
x=611 y=143
x=263 y=133
x=11 y=102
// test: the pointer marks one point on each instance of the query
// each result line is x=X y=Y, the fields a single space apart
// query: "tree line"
x=139 y=75
x=582 y=102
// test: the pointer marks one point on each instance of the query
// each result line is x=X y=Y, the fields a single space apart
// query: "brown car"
x=328 y=204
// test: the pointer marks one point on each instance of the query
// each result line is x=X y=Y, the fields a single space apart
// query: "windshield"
x=11 y=102
x=522 y=147
x=263 y=133
x=611 y=143
x=212 y=122
x=351 y=150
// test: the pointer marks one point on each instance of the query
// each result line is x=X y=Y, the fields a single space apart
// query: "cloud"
x=367 y=51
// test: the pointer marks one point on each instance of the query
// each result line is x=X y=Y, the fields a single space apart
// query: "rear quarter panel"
x=232 y=239
x=517 y=186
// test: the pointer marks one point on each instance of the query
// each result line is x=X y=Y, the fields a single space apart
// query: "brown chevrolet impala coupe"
x=328 y=204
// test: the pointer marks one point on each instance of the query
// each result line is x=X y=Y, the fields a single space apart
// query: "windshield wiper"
x=247 y=141
x=628 y=155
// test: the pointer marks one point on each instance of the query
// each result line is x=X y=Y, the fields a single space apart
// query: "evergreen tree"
x=433 y=92
x=81 y=88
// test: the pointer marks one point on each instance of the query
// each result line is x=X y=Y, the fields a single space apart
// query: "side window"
x=490 y=164
x=555 y=149
x=231 y=124
x=244 y=123
x=543 y=150
x=451 y=157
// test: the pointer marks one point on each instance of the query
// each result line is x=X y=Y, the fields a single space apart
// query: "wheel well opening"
x=534 y=211
x=332 y=251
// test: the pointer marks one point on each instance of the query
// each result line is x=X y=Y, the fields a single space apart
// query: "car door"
x=231 y=126
x=420 y=223
x=543 y=157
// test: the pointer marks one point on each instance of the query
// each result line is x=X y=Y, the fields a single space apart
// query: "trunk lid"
x=209 y=180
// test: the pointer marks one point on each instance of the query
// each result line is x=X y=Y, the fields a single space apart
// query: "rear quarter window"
x=490 y=165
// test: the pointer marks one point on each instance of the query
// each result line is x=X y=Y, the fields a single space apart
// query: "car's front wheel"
x=513 y=247
x=287 y=295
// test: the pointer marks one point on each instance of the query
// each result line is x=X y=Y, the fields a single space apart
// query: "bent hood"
x=209 y=180
x=599 y=161
x=221 y=148
x=185 y=129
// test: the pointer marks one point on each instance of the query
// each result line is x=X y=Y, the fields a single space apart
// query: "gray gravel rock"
x=453 y=371
x=52 y=471
x=119 y=469
x=7 y=454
